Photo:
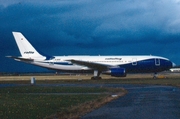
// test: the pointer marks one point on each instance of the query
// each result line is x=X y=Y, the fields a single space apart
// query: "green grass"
x=20 y=103
x=47 y=89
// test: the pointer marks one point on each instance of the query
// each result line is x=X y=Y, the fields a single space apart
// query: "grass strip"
x=51 y=89
x=38 y=106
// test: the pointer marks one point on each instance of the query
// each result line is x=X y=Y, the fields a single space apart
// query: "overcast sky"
x=90 y=27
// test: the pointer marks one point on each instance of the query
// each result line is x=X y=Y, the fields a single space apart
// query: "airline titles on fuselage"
x=113 y=58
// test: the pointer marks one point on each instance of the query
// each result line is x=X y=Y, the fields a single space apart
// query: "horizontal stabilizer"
x=20 y=58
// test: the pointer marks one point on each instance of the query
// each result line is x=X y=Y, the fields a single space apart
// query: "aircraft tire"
x=95 y=78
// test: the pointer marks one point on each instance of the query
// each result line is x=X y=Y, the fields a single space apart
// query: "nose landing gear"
x=155 y=76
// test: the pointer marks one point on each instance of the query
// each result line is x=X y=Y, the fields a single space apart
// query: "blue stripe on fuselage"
x=147 y=66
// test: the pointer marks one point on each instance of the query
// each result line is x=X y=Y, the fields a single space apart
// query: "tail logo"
x=29 y=52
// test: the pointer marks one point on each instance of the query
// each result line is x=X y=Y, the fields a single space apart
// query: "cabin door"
x=157 y=62
x=134 y=61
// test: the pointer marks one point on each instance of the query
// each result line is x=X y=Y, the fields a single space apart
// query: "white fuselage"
x=63 y=63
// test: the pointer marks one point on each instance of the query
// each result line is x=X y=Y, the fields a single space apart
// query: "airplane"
x=116 y=66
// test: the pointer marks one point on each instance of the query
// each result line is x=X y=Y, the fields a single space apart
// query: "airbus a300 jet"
x=117 y=66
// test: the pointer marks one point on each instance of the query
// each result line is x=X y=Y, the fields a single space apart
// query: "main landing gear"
x=96 y=75
x=95 y=78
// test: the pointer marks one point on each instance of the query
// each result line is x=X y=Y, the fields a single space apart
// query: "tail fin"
x=25 y=48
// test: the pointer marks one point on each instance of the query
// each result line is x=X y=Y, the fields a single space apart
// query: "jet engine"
x=116 y=72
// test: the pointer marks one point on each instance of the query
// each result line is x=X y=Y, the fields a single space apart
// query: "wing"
x=93 y=65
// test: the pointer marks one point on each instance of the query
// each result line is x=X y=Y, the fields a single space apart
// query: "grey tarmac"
x=141 y=102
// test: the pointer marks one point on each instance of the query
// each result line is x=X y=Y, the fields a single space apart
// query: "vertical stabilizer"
x=25 y=48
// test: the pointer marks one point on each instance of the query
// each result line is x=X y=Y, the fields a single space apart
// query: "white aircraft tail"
x=25 y=48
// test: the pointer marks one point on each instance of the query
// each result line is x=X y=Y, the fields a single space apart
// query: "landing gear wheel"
x=98 y=78
x=155 y=76
x=95 y=78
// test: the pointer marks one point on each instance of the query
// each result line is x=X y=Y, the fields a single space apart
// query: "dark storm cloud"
x=93 y=27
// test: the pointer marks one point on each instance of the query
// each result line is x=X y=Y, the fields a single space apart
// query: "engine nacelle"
x=118 y=72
